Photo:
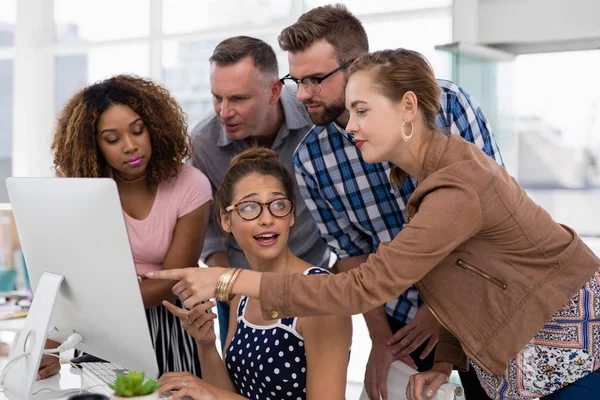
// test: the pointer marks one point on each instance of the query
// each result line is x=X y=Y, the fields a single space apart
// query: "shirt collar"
x=224 y=140
x=296 y=115
x=334 y=125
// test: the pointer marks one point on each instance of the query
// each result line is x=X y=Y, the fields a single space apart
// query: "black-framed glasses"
x=250 y=210
x=312 y=84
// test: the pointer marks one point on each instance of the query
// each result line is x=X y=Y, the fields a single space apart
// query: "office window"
x=74 y=71
x=8 y=18
x=185 y=72
x=557 y=107
x=192 y=15
x=91 y=21
x=362 y=7
x=420 y=34
x=6 y=124
x=95 y=40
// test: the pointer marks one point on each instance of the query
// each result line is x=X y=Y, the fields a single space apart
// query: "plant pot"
x=89 y=396
x=151 y=396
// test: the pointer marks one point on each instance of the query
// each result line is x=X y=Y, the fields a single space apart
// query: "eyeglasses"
x=312 y=84
x=250 y=210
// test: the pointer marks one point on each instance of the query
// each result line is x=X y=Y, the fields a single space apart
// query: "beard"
x=330 y=112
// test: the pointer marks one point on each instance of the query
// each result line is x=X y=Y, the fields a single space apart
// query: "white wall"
x=33 y=110
x=528 y=26
x=522 y=21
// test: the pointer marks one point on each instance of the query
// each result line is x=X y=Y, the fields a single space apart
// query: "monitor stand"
x=21 y=375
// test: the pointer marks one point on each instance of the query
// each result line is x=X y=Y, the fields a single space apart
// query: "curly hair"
x=76 y=153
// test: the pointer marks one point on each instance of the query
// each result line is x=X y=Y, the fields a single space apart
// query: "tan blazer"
x=490 y=263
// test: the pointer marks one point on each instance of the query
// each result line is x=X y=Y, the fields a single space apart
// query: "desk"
x=68 y=378
x=12 y=325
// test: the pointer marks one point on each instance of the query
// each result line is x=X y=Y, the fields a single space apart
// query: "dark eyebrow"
x=231 y=96
x=355 y=102
x=248 y=195
x=256 y=194
x=114 y=130
x=315 y=75
x=134 y=122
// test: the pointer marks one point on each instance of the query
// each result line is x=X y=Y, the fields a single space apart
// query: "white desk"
x=12 y=325
x=68 y=378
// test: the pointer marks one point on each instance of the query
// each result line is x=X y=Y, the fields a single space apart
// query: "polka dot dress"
x=268 y=362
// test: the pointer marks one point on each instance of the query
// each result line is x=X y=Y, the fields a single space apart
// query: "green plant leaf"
x=150 y=386
x=133 y=384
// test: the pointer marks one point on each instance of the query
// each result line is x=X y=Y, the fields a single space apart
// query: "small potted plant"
x=134 y=384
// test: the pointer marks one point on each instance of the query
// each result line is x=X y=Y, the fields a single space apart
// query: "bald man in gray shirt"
x=250 y=109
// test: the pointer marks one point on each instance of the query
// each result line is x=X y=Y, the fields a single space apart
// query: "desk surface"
x=68 y=378
x=12 y=325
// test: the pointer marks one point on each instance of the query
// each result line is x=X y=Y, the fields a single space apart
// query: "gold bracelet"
x=229 y=287
x=225 y=284
x=218 y=287
x=221 y=284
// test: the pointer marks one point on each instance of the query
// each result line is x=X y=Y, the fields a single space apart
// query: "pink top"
x=150 y=238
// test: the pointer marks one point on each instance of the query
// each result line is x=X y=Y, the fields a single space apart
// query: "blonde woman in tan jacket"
x=518 y=294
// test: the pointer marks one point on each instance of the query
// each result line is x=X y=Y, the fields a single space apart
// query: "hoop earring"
x=412 y=130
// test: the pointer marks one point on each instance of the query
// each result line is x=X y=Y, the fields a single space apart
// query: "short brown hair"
x=259 y=160
x=232 y=50
x=334 y=23
x=396 y=72
x=76 y=153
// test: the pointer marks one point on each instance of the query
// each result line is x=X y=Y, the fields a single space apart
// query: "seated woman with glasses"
x=263 y=358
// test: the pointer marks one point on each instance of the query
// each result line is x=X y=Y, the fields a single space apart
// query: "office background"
x=531 y=64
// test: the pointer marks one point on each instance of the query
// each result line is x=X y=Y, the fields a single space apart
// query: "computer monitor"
x=75 y=243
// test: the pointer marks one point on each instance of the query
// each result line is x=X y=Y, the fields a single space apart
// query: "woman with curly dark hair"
x=132 y=130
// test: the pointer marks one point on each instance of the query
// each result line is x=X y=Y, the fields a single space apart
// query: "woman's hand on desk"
x=186 y=384
x=49 y=366
x=198 y=322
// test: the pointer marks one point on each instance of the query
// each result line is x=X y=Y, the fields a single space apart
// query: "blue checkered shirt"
x=355 y=205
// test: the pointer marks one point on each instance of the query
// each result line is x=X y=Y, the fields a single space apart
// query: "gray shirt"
x=213 y=151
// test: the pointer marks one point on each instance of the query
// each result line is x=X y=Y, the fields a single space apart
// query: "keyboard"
x=103 y=373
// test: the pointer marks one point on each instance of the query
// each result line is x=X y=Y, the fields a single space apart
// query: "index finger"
x=404 y=331
x=173 y=309
x=418 y=387
x=170 y=274
x=382 y=385
x=180 y=393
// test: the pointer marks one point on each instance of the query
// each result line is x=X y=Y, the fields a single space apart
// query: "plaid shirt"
x=355 y=205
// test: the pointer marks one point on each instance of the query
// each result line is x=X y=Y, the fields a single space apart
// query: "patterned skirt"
x=176 y=350
x=565 y=350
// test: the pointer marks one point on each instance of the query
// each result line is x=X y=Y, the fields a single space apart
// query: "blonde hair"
x=395 y=72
